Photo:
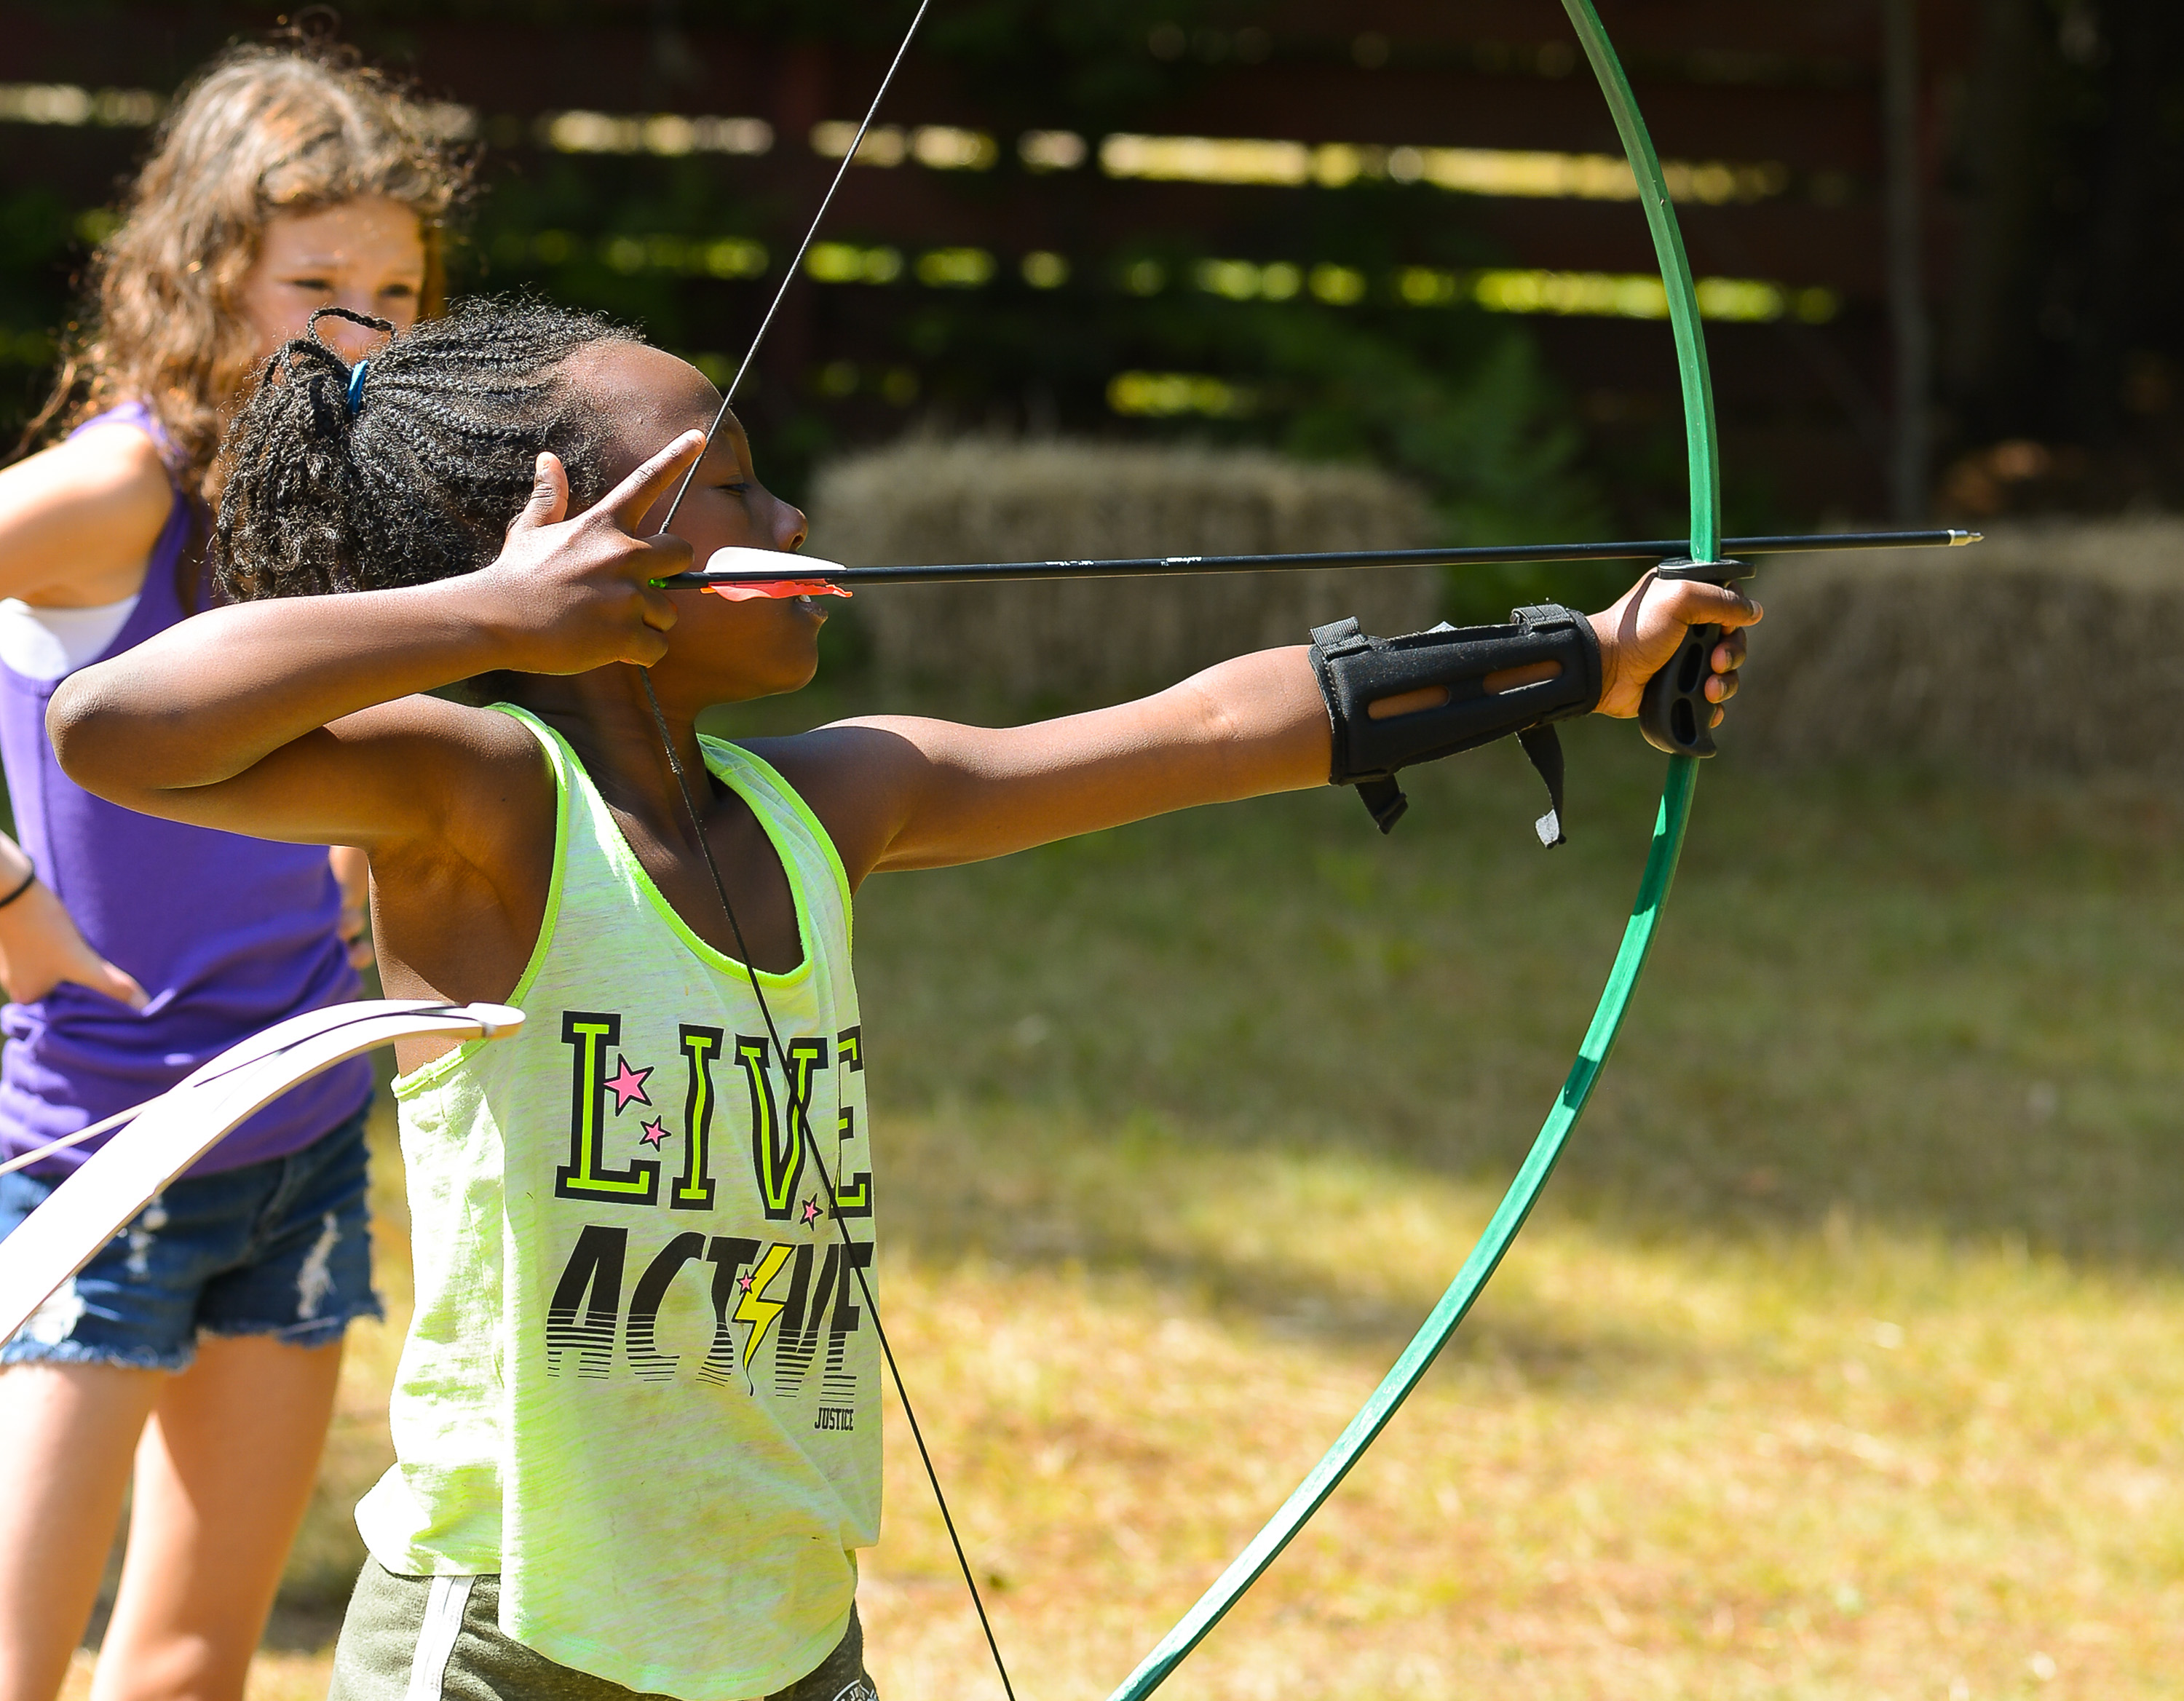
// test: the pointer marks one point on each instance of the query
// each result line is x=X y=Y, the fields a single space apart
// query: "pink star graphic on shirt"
x=627 y=1083
x=654 y=1132
x=811 y=1210
x=744 y=1282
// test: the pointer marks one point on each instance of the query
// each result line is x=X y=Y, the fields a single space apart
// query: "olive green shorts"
x=439 y=1639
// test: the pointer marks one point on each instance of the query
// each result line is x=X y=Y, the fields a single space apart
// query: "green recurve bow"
x=1668 y=843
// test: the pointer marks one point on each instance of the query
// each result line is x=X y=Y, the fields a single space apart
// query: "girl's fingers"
x=1697 y=603
x=549 y=497
x=664 y=556
x=1687 y=602
x=115 y=983
x=657 y=607
x=126 y=989
x=631 y=500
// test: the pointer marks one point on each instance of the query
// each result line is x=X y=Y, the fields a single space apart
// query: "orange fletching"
x=776 y=588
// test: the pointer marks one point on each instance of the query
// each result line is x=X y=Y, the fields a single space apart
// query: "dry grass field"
x=1842 y=1362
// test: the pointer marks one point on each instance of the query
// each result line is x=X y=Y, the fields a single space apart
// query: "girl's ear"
x=549 y=497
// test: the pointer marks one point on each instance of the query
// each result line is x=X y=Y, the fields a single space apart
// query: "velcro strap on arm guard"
x=1356 y=671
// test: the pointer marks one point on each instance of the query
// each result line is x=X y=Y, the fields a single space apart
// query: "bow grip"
x=1673 y=713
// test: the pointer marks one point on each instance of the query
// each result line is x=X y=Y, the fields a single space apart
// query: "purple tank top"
x=228 y=935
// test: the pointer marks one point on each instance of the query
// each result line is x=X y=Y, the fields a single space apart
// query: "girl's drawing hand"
x=571 y=595
x=1640 y=635
x=40 y=947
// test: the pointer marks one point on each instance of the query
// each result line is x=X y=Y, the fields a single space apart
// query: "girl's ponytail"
x=303 y=514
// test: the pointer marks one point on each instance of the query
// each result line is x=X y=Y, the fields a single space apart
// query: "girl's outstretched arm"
x=267 y=718
x=898 y=793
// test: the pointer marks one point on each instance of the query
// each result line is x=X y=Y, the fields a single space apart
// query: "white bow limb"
x=177 y=1128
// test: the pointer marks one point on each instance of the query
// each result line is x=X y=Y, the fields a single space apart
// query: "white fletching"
x=770 y=563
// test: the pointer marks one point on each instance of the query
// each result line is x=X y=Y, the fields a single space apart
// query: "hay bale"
x=924 y=502
x=2051 y=649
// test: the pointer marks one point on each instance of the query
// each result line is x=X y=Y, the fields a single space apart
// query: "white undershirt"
x=46 y=644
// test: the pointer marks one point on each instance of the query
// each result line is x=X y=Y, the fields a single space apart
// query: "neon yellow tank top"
x=639 y=1383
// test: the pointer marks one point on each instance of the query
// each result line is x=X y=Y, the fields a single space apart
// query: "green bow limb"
x=1660 y=872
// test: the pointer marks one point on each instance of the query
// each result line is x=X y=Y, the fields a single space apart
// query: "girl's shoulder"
x=116 y=455
x=85 y=512
x=852 y=778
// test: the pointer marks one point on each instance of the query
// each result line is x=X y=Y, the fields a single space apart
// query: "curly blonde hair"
x=289 y=127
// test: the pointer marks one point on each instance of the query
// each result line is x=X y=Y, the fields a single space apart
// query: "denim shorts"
x=282 y=1247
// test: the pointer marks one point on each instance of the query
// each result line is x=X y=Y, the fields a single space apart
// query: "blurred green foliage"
x=38 y=246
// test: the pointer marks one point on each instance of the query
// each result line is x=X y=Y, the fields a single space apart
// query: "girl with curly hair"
x=198 y=1354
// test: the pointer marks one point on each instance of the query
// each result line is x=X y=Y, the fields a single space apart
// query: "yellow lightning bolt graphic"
x=754 y=1308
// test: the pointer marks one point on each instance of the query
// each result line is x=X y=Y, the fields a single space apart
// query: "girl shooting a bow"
x=637 y=1419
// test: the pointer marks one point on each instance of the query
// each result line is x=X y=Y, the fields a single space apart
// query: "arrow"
x=744 y=569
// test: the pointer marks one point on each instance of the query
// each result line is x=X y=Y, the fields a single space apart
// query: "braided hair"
x=418 y=480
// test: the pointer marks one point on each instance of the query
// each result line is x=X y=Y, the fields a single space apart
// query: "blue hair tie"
x=356 y=385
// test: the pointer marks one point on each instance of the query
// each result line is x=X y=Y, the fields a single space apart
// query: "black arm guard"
x=1356 y=671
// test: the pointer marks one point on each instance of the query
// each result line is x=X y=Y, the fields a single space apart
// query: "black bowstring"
x=789 y=277
x=800 y=1114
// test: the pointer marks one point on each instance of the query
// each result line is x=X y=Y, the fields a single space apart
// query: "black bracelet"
x=29 y=880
